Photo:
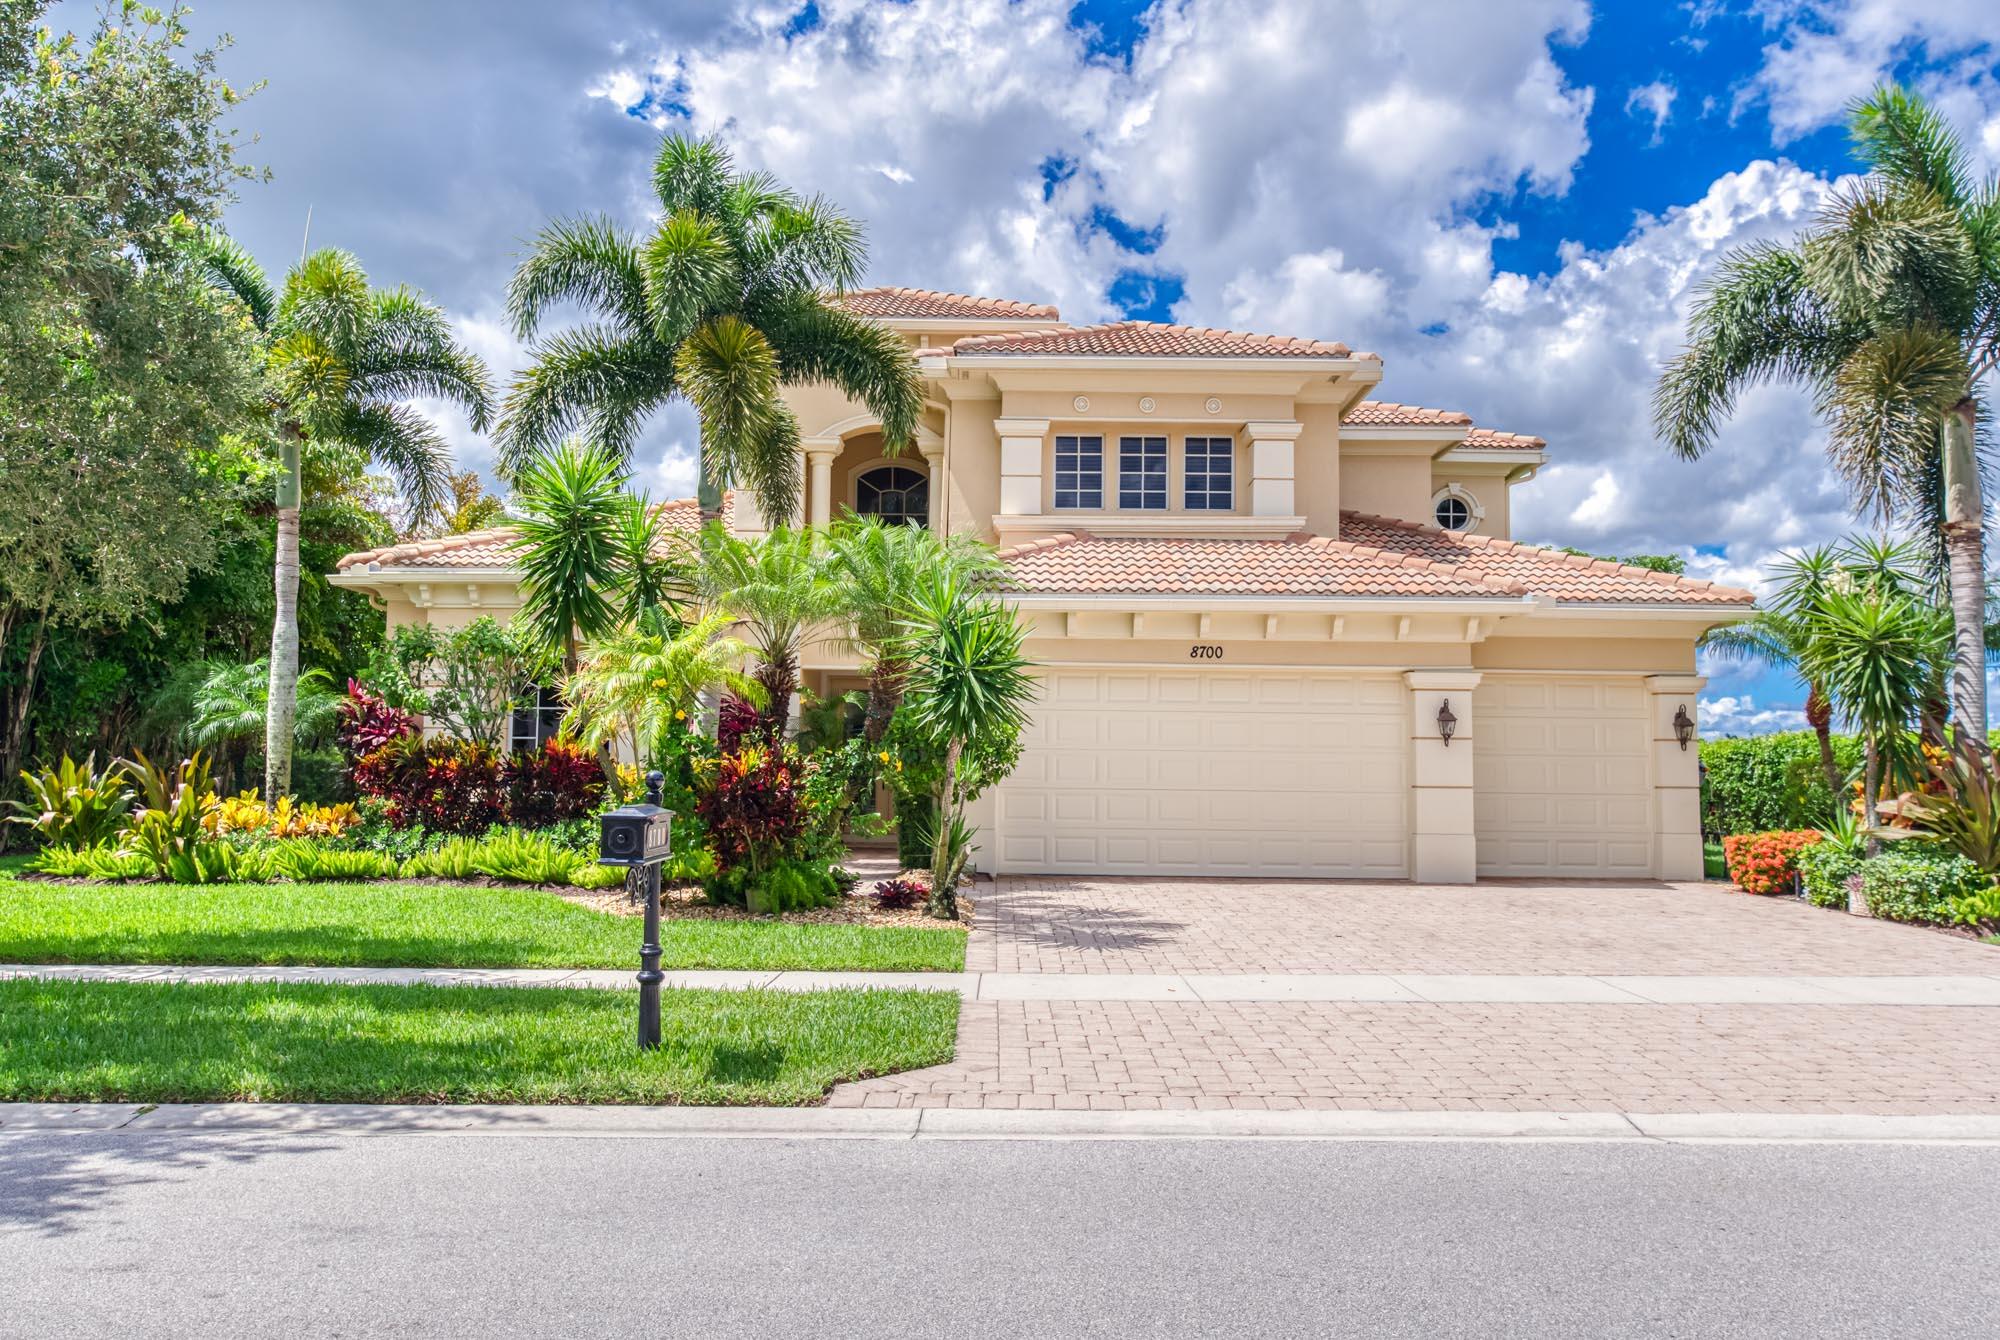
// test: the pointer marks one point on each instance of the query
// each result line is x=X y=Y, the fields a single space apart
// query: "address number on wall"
x=1202 y=651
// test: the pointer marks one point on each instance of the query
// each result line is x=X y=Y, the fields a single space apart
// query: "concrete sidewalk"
x=1192 y=988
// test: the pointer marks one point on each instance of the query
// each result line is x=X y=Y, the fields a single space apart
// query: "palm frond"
x=1899 y=136
x=231 y=270
x=1885 y=256
x=591 y=262
x=566 y=542
x=729 y=372
x=807 y=246
x=409 y=349
x=1884 y=407
x=690 y=270
x=600 y=379
x=326 y=296
x=693 y=174
x=870 y=362
x=408 y=443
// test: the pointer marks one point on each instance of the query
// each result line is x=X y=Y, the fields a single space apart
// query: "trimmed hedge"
x=1912 y=880
x=1824 y=870
x=1767 y=783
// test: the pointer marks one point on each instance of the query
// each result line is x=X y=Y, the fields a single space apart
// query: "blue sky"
x=1512 y=201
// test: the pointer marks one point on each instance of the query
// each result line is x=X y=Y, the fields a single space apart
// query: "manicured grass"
x=256 y=1041
x=1713 y=864
x=399 y=925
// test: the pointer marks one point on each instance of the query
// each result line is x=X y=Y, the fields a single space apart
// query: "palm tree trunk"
x=944 y=898
x=282 y=702
x=884 y=693
x=1965 y=547
x=1819 y=712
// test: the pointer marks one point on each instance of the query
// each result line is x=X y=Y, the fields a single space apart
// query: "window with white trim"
x=1208 y=474
x=536 y=720
x=1455 y=508
x=1142 y=473
x=1079 y=472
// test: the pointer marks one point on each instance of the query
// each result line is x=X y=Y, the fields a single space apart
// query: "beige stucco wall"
x=1316 y=469
x=972 y=464
x=1488 y=484
x=1387 y=485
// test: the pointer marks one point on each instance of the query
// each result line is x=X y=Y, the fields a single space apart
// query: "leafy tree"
x=468 y=506
x=1888 y=310
x=121 y=378
x=343 y=361
x=466 y=681
x=724 y=301
x=779 y=587
x=969 y=690
x=877 y=566
x=1673 y=563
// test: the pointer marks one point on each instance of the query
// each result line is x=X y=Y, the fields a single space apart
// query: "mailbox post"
x=638 y=837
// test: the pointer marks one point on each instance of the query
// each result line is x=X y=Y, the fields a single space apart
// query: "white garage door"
x=1561 y=782
x=1209 y=771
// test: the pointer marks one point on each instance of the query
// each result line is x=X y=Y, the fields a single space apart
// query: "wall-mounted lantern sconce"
x=1447 y=723
x=1683 y=726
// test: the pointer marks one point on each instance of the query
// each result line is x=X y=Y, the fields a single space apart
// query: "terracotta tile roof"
x=1148 y=339
x=923 y=303
x=1546 y=572
x=1302 y=565
x=1389 y=414
x=1492 y=439
x=493 y=548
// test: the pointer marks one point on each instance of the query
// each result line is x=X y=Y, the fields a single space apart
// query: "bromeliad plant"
x=73 y=806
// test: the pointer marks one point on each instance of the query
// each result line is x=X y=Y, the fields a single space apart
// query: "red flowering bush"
x=559 y=782
x=1767 y=862
x=447 y=786
x=367 y=722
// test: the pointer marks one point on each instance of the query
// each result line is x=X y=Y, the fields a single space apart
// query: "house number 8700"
x=1202 y=652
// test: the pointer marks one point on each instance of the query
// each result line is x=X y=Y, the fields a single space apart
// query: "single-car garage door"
x=1561 y=782
x=1206 y=771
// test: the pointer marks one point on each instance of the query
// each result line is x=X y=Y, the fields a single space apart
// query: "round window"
x=1452 y=513
x=895 y=494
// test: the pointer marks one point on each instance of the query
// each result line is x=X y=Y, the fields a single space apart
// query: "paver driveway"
x=1149 y=1054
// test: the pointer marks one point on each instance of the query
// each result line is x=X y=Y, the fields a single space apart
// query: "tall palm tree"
x=779 y=588
x=877 y=565
x=344 y=360
x=1888 y=310
x=231 y=710
x=724 y=301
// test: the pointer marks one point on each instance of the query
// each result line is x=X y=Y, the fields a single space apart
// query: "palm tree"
x=1878 y=652
x=644 y=680
x=725 y=300
x=344 y=359
x=567 y=543
x=877 y=565
x=779 y=588
x=1888 y=310
x=969 y=691
x=231 y=709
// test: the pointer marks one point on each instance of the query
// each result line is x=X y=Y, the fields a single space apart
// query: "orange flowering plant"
x=1767 y=862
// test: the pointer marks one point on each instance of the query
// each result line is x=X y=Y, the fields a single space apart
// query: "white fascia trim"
x=1240 y=363
x=1197 y=604
x=1476 y=455
x=364 y=576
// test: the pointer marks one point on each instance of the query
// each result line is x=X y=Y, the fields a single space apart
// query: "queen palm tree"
x=725 y=300
x=231 y=710
x=344 y=360
x=1888 y=311
x=877 y=565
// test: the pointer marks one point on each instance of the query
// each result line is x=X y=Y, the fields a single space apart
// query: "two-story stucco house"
x=1282 y=627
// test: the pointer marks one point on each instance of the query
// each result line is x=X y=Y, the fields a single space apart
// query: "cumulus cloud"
x=1655 y=102
x=1734 y=715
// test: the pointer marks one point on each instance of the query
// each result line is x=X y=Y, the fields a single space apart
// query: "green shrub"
x=305 y=859
x=452 y=859
x=74 y=806
x=1824 y=870
x=525 y=858
x=105 y=864
x=591 y=875
x=1918 y=880
x=319 y=776
x=1769 y=782
x=216 y=862
x=788 y=886
x=1979 y=910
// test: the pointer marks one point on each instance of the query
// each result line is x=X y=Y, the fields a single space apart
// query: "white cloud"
x=1655 y=102
x=1740 y=715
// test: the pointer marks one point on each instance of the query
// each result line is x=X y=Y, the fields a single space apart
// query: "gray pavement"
x=320 y=1233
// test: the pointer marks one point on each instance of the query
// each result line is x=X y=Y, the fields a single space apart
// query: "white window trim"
x=1472 y=505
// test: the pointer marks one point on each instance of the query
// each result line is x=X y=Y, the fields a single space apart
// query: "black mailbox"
x=634 y=835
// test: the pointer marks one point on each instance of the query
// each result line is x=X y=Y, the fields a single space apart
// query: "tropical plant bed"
x=265 y=1042
x=428 y=926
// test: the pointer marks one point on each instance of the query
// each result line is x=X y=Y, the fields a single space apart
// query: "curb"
x=607 y=1122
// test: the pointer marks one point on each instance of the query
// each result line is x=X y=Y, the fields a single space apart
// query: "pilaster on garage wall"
x=1676 y=778
x=1442 y=844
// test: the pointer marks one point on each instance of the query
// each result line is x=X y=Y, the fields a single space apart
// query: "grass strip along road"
x=419 y=926
x=210 y=1042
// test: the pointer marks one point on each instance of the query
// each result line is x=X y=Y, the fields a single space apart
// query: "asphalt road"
x=338 y=1235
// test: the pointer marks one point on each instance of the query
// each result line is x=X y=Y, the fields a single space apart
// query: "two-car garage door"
x=1208 y=771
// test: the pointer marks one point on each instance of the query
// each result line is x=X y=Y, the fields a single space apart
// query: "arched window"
x=894 y=493
x=1453 y=508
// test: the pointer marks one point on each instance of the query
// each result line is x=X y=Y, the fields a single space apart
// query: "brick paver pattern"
x=1900 y=1059
x=1251 y=926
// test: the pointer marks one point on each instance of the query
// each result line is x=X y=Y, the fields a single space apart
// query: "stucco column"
x=1021 y=465
x=1271 y=471
x=819 y=480
x=1441 y=841
x=930 y=445
x=1676 y=778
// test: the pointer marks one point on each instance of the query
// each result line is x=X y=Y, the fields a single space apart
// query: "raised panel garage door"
x=1561 y=777
x=1209 y=772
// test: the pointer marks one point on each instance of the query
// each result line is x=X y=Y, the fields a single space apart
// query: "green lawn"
x=258 y=1041
x=395 y=925
x=1713 y=863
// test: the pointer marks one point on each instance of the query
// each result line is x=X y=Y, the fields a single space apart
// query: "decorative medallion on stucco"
x=1146 y=404
x=1081 y=404
x=1213 y=405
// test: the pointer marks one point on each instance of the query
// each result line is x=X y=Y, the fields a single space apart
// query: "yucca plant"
x=74 y=806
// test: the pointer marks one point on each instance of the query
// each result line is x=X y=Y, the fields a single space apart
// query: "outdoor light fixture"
x=1447 y=723
x=1683 y=726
